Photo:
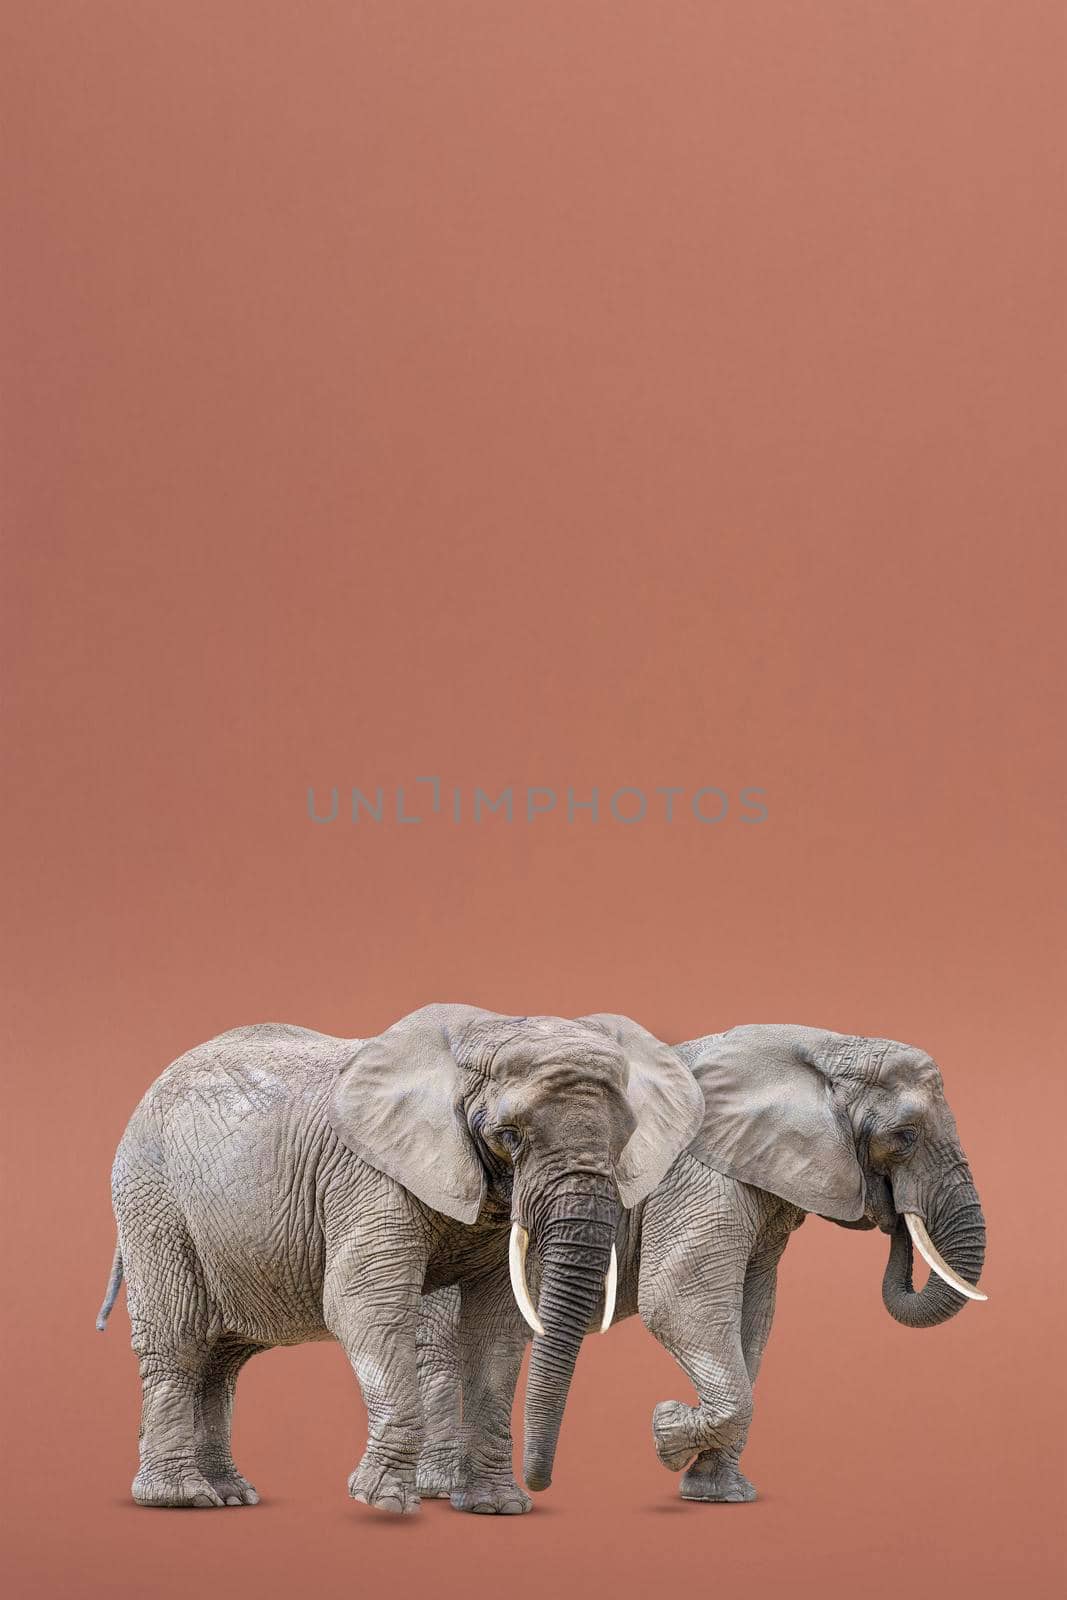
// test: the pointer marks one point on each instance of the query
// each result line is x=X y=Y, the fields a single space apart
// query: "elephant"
x=796 y=1120
x=277 y=1185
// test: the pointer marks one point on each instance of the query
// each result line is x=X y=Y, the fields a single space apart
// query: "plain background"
x=557 y=394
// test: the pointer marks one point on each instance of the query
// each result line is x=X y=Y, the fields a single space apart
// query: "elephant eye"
x=510 y=1138
x=893 y=1144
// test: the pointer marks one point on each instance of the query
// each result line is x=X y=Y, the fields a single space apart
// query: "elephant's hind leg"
x=170 y=1472
x=172 y=1333
x=213 y=1413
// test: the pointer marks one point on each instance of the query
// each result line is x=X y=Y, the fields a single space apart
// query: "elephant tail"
x=113 y=1284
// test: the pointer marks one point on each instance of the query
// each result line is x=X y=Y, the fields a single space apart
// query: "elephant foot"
x=385 y=1486
x=500 y=1497
x=673 y=1428
x=437 y=1472
x=174 y=1486
x=232 y=1489
x=713 y=1479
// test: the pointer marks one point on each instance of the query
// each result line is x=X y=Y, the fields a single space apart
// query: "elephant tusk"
x=925 y=1246
x=611 y=1284
x=517 y=1247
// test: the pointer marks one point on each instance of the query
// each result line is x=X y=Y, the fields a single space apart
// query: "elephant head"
x=576 y=1118
x=857 y=1130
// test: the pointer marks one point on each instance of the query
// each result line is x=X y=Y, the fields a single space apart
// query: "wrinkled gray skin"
x=276 y=1185
x=797 y=1120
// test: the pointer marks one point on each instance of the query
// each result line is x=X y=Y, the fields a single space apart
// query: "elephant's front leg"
x=690 y=1297
x=714 y=1431
x=441 y=1388
x=716 y=1475
x=371 y=1306
x=492 y=1339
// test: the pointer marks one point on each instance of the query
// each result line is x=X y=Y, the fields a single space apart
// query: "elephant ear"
x=771 y=1119
x=666 y=1102
x=396 y=1103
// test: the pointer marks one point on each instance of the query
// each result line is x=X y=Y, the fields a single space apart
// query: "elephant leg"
x=719 y=1422
x=492 y=1340
x=170 y=1473
x=213 y=1412
x=172 y=1334
x=371 y=1306
x=716 y=1474
x=690 y=1297
x=439 y=1357
x=757 y=1310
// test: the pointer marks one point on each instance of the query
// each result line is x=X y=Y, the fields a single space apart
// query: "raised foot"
x=437 y=1472
x=712 y=1479
x=673 y=1428
x=160 y=1486
x=387 y=1487
x=500 y=1497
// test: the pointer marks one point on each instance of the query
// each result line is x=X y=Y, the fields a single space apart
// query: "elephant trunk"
x=574 y=1245
x=956 y=1229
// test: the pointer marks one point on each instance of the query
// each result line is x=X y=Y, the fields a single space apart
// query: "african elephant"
x=796 y=1120
x=276 y=1185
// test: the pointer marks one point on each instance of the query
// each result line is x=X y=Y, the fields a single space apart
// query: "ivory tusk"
x=925 y=1246
x=517 y=1248
x=611 y=1284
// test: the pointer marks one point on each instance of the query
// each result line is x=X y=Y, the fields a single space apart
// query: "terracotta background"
x=548 y=393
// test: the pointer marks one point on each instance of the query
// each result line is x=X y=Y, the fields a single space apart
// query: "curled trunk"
x=957 y=1228
x=574 y=1243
